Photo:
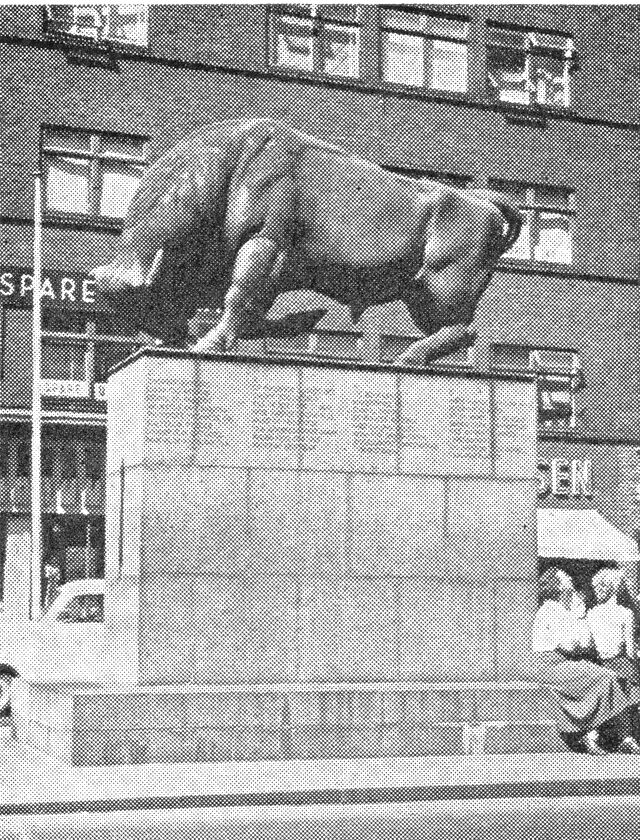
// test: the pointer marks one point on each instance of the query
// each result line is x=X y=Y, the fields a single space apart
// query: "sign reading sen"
x=58 y=288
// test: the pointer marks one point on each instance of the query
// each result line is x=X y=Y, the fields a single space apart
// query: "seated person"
x=585 y=696
x=613 y=627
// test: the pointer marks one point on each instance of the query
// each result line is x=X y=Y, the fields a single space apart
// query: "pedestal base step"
x=98 y=725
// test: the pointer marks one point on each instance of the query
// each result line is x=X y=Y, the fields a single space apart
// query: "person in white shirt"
x=613 y=627
x=585 y=696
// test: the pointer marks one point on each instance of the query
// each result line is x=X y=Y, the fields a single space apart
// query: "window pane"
x=448 y=65
x=128 y=23
x=506 y=76
x=118 y=183
x=403 y=58
x=118 y=145
x=293 y=43
x=556 y=360
x=554 y=238
x=86 y=21
x=547 y=78
x=66 y=140
x=340 y=50
x=67 y=185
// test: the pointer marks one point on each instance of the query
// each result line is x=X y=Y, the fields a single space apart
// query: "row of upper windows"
x=426 y=50
x=417 y=49
x=94 y=175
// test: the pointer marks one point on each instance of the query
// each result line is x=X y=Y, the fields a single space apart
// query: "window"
x=330 y=344
x=83 y=608
x=90 y=174
x=529 y=67
x=559 y=376
x=318 y=38
x=63 y=361
x=546 y=235
x=126 y=24
x=424 y=50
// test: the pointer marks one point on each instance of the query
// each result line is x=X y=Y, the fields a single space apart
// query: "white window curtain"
x=449 y=66
x=68 y=185
x=403 y=59
x=340 y=50
x=118 y=185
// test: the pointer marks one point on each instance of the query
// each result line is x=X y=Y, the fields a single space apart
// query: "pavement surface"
x=32 y=783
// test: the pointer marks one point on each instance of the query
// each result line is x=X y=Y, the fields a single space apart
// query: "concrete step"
x=101 y=725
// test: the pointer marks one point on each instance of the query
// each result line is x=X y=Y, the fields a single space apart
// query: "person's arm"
x=629 y=635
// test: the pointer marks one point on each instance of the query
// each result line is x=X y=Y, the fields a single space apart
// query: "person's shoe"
x=629 y=746
x=590 y=745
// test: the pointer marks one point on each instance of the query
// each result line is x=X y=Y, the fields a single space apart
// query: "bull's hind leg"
x=253 y=289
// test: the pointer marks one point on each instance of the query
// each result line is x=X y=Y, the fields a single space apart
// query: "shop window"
x=63 y=361
x=88 y=174
x=126 y=24
x=424 y=50
x=4 y=458
x=48 y=460
x=558 y=377
x=528 y=67
x=547 y=232
x=316 y=37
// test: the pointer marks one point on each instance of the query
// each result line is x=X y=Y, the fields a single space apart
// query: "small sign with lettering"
x=564 y=477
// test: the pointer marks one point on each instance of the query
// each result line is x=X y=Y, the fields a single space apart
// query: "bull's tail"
x=512 y=215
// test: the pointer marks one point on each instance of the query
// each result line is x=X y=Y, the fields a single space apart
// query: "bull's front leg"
x=252 y=291
x=447 y=340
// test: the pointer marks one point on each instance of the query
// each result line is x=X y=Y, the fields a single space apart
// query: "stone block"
x=304 y=709
x=319 y=635
x=397 y=525
x=432 y=740
x=212 y=711
x=534 y=737
x=222 y=515
x=223 y=414
x=446 y=631
x=445 y=426
x=509 y=703
x=297 y=524
x=126 y=411
x=439 y=705
x=516 y=429
x=491 y=530
x=259 y=745
x=515 y=606
x=169 y=395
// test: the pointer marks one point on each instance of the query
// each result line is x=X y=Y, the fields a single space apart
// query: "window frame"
x=318 y=24
x=532 y=210
x=575 y=378
x=96 y=159
x=529 y=50
x=51 y=28
x=384 y=28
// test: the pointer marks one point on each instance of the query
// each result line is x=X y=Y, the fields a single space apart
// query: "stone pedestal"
x=299 y=525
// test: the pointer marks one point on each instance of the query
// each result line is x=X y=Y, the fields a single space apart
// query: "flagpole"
x=36 y=407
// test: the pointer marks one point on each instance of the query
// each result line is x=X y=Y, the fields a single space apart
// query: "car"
x=63 y=645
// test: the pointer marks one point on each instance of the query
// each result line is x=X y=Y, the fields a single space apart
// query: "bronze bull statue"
x=260 y=208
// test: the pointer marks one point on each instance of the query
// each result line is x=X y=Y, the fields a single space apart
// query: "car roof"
x=88 y=586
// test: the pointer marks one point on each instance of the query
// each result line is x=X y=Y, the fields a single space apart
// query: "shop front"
x=589 y=509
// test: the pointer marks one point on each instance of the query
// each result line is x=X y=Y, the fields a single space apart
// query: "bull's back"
x=353 y=212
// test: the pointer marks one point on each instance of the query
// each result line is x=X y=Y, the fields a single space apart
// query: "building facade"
x=538 y=101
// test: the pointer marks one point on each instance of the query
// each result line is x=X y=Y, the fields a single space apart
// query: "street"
x=499 y=819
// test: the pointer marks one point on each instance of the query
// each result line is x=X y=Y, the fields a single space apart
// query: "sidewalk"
x=31 y=783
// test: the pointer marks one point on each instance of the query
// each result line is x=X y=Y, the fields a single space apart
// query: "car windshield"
x=83 y=608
